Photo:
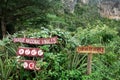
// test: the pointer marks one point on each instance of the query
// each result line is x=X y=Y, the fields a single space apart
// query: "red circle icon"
x=31 y=65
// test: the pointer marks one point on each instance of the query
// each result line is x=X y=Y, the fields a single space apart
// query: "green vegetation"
x=61 y=61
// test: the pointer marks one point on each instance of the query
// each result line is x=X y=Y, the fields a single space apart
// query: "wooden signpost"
x=32 y=52
x=90 y=50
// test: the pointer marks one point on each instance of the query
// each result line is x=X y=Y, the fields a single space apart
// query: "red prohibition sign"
x=21 y=51
x=27 y=52
x=33 y=52
x=24 y=51
x=31 y=65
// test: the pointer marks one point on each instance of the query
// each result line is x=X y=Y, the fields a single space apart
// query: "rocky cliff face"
x=110 y=9
x=69 y=5
x=85 y=1
x=106 y=8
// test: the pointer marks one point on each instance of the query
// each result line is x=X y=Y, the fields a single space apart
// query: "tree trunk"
x=3 y=27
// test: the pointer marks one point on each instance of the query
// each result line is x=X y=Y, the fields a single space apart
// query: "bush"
x=61 y=62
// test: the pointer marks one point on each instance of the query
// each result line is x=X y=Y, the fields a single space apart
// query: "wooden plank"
x=32 y=52
x=40 y=41
x=29 y=64
x=90 y=49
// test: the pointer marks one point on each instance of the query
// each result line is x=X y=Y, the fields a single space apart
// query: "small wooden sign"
x=29 y=64
x=39 y=41
x=90 y=50
x=22 y=51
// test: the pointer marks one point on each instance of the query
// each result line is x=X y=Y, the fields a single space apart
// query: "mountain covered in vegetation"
x=75 y=23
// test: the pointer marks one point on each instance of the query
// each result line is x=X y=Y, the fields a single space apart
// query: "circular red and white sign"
x=27 y=52
x=31 y=65
x=37 y=68
x=33 y=52
x=25 y=65
x=40 y=53
x=21 y=51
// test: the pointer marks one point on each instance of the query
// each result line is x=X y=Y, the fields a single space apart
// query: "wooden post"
x=89 y=63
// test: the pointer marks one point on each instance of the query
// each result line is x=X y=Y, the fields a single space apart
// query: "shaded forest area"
x=13 y=13
x=75 y=23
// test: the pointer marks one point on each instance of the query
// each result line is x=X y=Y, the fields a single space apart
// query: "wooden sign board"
x=29 y=52
x=39 y=41
x=22 y=51
x=29 y=65
x=90 y=49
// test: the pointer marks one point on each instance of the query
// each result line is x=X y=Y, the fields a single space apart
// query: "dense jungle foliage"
x=49 y=18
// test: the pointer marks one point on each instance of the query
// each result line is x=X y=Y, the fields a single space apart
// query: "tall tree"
x=14 y=10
